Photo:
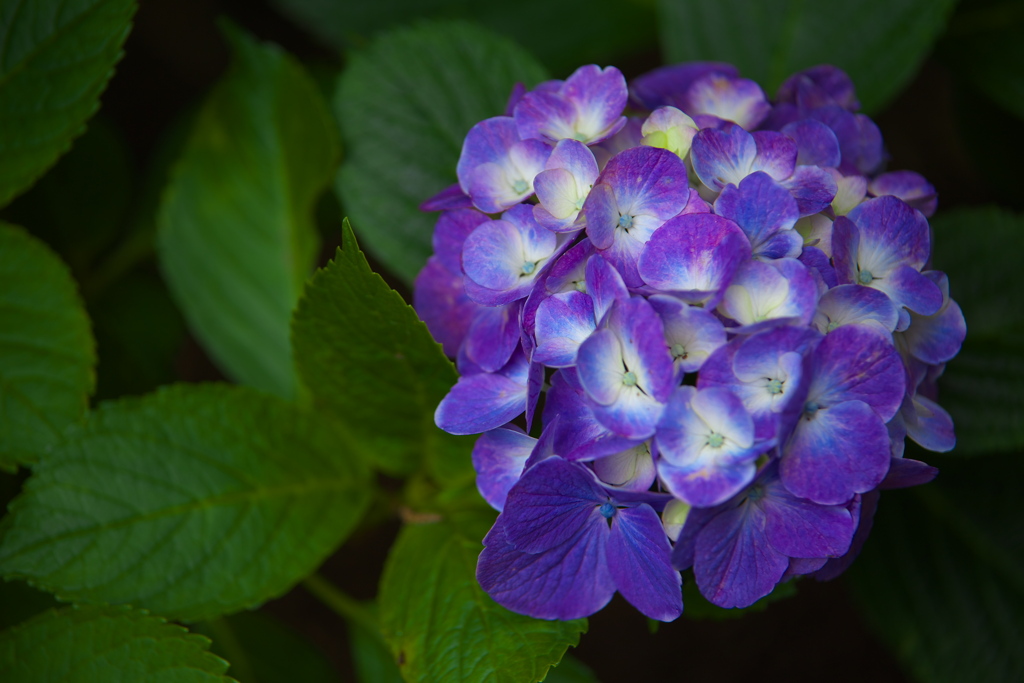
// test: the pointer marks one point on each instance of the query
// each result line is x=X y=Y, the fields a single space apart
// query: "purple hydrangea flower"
x=884 y=244
x=564 y=544
x=626 y=370
x=706 y=446
x=743 y=350
x=840 y=446
x=740 y=549
x=496 y=168
x=587 y=107
x=636 y=193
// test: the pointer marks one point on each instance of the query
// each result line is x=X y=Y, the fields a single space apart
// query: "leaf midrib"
x=225 y=499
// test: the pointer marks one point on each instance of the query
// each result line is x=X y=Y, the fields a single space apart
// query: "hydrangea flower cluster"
x=726 y=313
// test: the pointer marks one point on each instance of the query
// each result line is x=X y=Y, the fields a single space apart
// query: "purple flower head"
x=578 y=434
x=694 y=256
x=441 y=302
x=566 y=320
x=671 y=129
x=587 y=107
x=499 y=457
x=483 y=401
x=853 y=305
x=492 y=336
x=742 y=548
x=503 y=258
x=692 y=333
x=706 y=446
x=816 y=144
x=716 y=98
x=730 y=359
x=765 y=212
x=860 y=141
x=637 y=192
x=629 y=137
x=820 y=86
x=626 y=370
x=840 y=445
x=669 y=85
x=910 y=187
x=563 y=186
x=630 y=470
x=883 y=243
x=564 y=544
x=766 y=371
x=936 y=338
x=496 y=168
x=727 y=156
x=765 y=294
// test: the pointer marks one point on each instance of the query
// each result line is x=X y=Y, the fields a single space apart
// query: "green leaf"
x=442 y=626
x=56 y=57
x=404 y=105
x=561 y=34
x=985 y=45
x=109 y=644
x=47 y=352
x=195 y=501
x=983 y=387
x=570 y=670
x=367 y=359
x=941 y=577
x=237 y=237
x=879 y=43
x=370 y=655
x=263 y=650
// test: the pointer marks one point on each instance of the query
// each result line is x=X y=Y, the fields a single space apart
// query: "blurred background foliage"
x=938 y=594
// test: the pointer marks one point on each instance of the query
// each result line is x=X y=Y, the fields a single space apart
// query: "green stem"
x=346 y=607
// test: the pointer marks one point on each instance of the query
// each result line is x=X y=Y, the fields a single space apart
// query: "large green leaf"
x=47 y=351
x=562 y=34
x=369 y=360
x=195 y=501
x=880 y=43
x=983 y=387
x=442 y=626
x=405 y=105
x=237 y=237
x=263 y=650
x=109 y=644
x=942 y=576
x=56 y=57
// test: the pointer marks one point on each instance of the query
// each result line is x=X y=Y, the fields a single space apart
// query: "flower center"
x=608 y=510
x=629 y=379
x=811 y=408
x=715 y=440
x=520 y=186
x=581 y=286
x=865 y=277
x=775 y=386
x=626 y=222
x=833 y=324
x=529 y=267
x=678 y=351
